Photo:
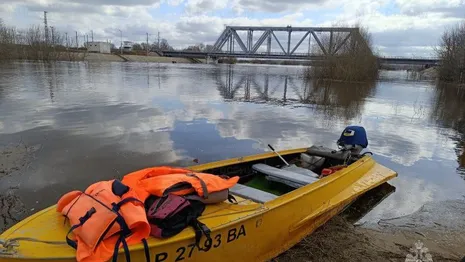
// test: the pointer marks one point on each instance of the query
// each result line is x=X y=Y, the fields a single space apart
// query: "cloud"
x=90 y=2
x=399 y=27
x=449 y=8
x=205 y=6
x=275 y=6
x=175 y=2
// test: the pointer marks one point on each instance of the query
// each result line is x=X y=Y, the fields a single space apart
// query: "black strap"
x=146 y=249
x=200 y=229
x=82 y=220
x=122 y=240
x=232 y=199
x=126 y=249
x=120 y=219
x=125 y=231
x=117 y=206
x=70 y=242
x=115 y=250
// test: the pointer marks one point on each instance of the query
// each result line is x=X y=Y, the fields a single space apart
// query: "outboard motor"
x=353 y=138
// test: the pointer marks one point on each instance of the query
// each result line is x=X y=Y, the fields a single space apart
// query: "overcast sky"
x=398 y=27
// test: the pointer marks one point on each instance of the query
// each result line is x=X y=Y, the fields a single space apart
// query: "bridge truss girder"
x=231 y=36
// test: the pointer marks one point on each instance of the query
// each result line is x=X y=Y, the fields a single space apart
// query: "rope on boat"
x=7 y=246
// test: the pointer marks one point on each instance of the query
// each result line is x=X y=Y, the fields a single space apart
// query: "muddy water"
x=84 y=122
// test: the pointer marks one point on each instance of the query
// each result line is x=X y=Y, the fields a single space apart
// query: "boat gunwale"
x=262 y=208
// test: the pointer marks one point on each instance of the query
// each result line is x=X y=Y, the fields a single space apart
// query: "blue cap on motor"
x=353 y=136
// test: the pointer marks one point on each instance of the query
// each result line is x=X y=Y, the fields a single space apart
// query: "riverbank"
x=339 y=240
x=98 y=57
x=437 y=229
x=135 y=58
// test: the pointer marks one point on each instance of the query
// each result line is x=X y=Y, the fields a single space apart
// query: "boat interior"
x=264 y=180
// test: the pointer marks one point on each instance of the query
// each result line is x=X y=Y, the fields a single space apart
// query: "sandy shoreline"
x=339 y=240
x=440 y=226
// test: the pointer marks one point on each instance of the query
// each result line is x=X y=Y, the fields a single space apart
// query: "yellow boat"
x=263 y=224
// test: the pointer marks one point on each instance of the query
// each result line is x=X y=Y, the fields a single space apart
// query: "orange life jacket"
x=159 y=181
x=102 y=220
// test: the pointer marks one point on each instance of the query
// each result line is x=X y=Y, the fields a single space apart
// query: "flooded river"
x=84 y=122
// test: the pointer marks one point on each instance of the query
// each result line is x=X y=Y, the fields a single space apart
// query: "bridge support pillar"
x=211 y=60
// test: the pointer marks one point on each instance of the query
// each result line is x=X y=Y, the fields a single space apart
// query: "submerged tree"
x=347 y=57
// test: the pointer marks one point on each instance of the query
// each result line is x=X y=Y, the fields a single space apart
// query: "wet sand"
x=339 y=240
x=439 y=226
x=13 y=159
x=438 y=229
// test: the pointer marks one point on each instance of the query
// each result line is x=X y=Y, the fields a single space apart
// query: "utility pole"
x=147 y=46
x=121 y=45
x=53 y=35
x=77 y=44
x=92 y=32
x=46 y=27
x=159 y=48
x=66 y=35
x=87 y=39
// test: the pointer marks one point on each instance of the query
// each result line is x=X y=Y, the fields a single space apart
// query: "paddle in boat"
x=281 y=197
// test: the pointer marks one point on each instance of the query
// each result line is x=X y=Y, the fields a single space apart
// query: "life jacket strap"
x=202 y=183
x=117 y=206
x=200 y=229
x=121 y=240
x=82 y=220
x=146 y=249
x=120 y=219
x=125 y=231
x=232 y=199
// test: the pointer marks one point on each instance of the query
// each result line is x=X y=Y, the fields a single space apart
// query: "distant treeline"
x=36 y=44
x=451 y=52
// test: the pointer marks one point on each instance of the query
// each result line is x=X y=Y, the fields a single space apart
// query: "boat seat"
x=284 y=176
x=251 y=193
x=300 y=170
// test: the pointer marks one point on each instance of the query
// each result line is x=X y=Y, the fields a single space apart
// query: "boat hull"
x=247 y=231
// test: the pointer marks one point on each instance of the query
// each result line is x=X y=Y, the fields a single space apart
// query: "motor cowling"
x=353 y=138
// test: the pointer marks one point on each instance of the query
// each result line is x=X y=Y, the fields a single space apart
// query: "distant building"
x=127 y=46
x=99 y=47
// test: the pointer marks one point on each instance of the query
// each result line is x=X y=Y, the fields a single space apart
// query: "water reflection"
x=110 y=118
x=335 y=100
x=448 y=111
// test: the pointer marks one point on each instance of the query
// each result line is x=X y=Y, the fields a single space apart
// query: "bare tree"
x=136 y=47
x=451 y=52
x=31 y=44
x=8 y=41
x=346 y=57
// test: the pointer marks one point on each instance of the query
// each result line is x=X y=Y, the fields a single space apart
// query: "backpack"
x=170 y=214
